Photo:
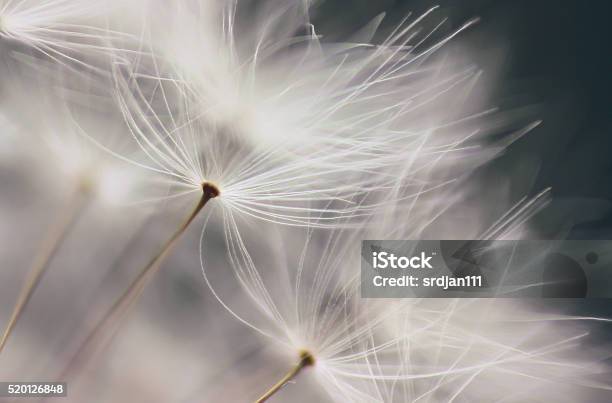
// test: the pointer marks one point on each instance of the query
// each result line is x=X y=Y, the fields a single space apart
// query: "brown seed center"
x=210 y=189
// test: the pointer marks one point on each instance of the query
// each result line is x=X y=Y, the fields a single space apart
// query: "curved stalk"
x=53 y=240
x=136 y=287
x=306 y=359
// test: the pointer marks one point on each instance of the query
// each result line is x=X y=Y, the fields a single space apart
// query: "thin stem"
x=306 y=359
x=54 y=238
x=136 y=287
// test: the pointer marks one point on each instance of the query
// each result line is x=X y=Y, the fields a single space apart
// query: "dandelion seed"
x=269 y=79
x=69 y=32
x=66 y=155
x=365 y=350
x=306 y=360
x=315 y=312
x=285 y=123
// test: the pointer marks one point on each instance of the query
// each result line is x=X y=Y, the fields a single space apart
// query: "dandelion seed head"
x=307 y=357
x=273 y=81
x=210 y=189
x=64 y=146
x=403 y=350
x=74 y=34
x=295 y=130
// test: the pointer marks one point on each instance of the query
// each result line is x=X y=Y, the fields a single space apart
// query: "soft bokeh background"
x=549 y=58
